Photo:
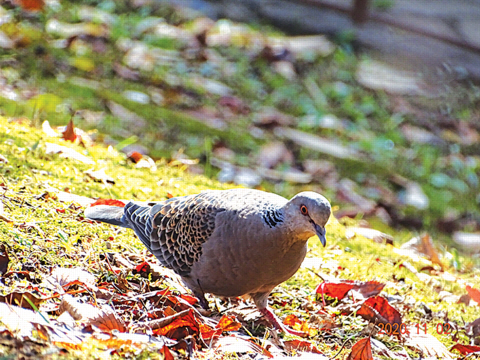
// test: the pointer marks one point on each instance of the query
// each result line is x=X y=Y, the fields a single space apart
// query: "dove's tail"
x=132 y=216
x=109 y=214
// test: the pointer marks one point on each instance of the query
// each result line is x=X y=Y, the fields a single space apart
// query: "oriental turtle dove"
x=227 y=242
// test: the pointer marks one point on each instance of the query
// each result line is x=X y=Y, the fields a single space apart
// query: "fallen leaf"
x=338 y=290
x=187 y=321
x=69 y=132
x=4 y=259
x=237 y=344
x=474 y=294
x=104 y=318
x=422 y=245
x=31 y=5
x=22 y=299
x=372 y=234
x=135 y=156
x=362 y=350
x=426 y=343
x=301 y=345
x=107 y=320
x=109 y=202
x=143 y=268
x=62 y=278
x=47 y=129
x=68 y=153
x=387 y=312
x=100 y=176
x=228 y=323
x=465 y=349
x=19 y=320
x=2 y=215
x=167 y=355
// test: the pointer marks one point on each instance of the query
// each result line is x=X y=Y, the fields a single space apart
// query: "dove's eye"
x=304 y=210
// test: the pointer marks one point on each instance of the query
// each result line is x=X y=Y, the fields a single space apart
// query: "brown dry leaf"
x=19 y=298
x=362 y=350
x=4 y=259
x=426 y=343
x=77 y=310
x=372 y=234
x=62 y=277
x=2 y=216
x=20 y=321
x=301 y=345
x=47 y=129
x=104 y=318
x=100 y=176
x=418 y=247
x=238 y=344
x=68 y=153
x=107 y=320
x=428 y=249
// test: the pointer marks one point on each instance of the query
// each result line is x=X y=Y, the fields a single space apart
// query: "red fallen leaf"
x=338 y=290
x=62 y=211
x=291 y=320
x=190 y=299
x=207 y=332
x=297 y=324
x=465 y=349
x=135 y=156
x=167 y=355
x=142 y=268
x=226 y=323
x=381 y=306
x=187 y=321
x=474 y=294
x=110 y=202
x=31 y=5
x=362 y=350
x=69 y=132
x=229 y=323
x=301 y=345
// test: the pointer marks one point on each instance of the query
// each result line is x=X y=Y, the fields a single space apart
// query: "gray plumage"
x=227 y=242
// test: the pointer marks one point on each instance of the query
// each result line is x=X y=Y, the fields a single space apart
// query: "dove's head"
x=310 y=212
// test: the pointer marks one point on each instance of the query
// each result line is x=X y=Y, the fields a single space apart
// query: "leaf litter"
x=74 y=292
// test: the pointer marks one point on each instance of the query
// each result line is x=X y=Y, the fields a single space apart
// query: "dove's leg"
x=198 y=292
x=260 y=300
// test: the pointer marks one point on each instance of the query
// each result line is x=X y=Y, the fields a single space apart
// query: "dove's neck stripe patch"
x=273 y=217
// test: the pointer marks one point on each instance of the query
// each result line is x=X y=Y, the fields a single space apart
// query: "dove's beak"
x=320 y=231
